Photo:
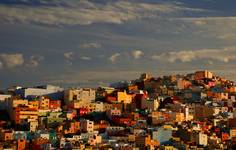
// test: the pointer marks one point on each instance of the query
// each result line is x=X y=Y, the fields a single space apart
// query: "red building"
x=224 y=136
x=83 y=111
x=54 y=104
x=123 y=121
x=111 y=99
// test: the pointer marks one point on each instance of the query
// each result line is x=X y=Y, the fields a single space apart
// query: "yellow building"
x=179 y=117
x=33 y=105
x=167 y=127
x=124 y=97
x=108 y=90
x=169 y=148
x=44 y=103
x=131 y=138
x=107 y=106
x=232 y=133
x=19 y=102
x=92 y=107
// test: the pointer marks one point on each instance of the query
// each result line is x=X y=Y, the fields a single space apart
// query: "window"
x=74 y=97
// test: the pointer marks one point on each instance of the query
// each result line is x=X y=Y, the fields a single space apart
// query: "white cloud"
x=199 y=22
x=114 y=57
x=69 y=56
x=205 y=20
x=210 y=62
x=227 y=36
x=17 y=60
x=86 y=12
x=223 y=28
x=222 y=55
x=90 y=45
x=85 y=58
x=11 y=60
x=137 y=54
x=34 y=61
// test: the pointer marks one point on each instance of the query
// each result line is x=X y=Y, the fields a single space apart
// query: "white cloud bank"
x=85 y=12
x=90 y=45
x=223 y=55
x=85 y=58
x=222 y=28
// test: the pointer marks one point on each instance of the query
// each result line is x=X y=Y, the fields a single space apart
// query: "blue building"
x=163 y=135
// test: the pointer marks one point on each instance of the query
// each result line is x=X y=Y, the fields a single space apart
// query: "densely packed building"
x=192 y=111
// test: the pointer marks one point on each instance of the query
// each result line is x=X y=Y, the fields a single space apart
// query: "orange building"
x=33 y=105
x=179 y=117
x=73 y=128
x=183 y=84
x=23 y=113
x=218 y=96
x=6 y=135
x=203 y=74
x=231 y=89
x=21 y=144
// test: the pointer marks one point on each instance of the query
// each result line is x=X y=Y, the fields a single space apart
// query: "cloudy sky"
x=94 y=42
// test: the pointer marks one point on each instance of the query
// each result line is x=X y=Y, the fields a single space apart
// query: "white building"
x=202 y=139
x=83 y=94
x=113 y=112
x=99 y=107
x=33 y=126
x=51 y=91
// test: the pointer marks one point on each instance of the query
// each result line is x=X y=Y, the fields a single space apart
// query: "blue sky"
x=90 y=43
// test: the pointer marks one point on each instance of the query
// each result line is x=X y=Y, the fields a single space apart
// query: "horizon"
x=68 y=86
